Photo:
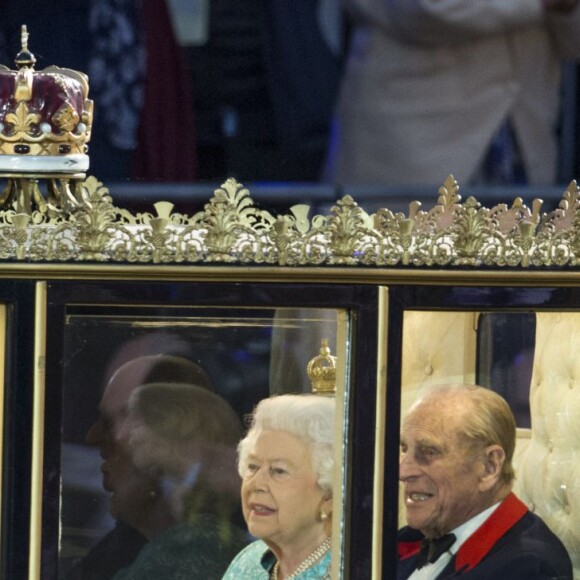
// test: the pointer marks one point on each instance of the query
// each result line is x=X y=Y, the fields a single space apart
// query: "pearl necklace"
x=312 y=559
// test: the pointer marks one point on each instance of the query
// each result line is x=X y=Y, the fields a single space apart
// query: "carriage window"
x=530 y=358
x=153 y=408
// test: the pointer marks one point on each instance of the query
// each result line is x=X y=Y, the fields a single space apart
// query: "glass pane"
x=505 y=355
x=493 y=349
x=139 y=387
x=530 y=358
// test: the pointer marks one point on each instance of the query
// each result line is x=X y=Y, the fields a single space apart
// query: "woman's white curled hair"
x=309 y=417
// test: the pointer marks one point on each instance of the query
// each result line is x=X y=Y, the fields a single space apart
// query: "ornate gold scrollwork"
x=80 y=223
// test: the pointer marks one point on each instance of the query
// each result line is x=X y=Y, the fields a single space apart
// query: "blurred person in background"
x=193 y=90
x=186 y=436
x=468 y=88
x=265 y=78
x=136 y=503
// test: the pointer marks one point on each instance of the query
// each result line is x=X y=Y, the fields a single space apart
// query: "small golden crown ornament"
x=321 y=371
x=45 y=117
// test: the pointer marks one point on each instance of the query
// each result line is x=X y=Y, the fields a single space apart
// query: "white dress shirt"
x=464 y=531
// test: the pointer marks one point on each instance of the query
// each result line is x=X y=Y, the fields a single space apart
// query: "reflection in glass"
x=184 y=437
x=505 y=355
x=119 y=495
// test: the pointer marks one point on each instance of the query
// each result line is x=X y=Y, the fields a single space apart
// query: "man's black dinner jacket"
x=512 y=544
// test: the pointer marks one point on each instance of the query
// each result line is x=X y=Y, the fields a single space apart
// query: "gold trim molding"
x=83 y=225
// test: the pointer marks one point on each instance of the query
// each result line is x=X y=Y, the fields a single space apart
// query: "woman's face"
x=280 y=497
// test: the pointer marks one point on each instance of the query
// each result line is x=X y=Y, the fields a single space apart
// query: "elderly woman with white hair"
x=286 y=462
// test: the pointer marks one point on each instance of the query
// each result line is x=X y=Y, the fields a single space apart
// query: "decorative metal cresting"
x=321 y=371
x=231 y=229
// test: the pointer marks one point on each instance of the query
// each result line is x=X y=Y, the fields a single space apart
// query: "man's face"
x=130 y=488
x=440 y=474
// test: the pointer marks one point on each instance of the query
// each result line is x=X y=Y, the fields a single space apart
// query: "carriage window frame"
x=444 y=297
x=358 y=302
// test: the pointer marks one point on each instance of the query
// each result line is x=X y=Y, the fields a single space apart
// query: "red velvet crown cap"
x=45 y=117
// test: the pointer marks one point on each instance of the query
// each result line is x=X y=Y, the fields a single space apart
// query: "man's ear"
x=493 y=460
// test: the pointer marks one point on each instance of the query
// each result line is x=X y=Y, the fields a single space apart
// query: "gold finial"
x=322 y=371
x=24 y=57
